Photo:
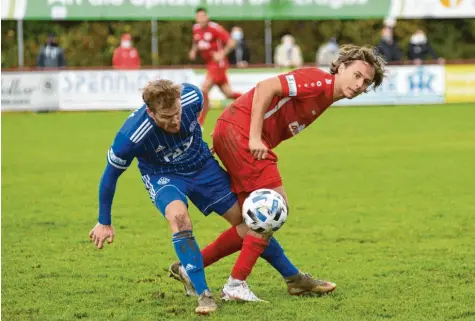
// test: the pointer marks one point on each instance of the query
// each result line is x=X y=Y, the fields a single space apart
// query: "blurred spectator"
x=420 y=47
x=126 y=56
x=327 y=53
x=388 y=47
x=240 y=56
x=288 y=54
x=51 y=54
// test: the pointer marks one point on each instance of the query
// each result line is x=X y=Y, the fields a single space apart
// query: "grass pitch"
x=382 y=203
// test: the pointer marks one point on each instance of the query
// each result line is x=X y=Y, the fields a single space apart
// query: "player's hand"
x=218 y=55
x=192 y=55
x=258 y=148
x=100 y=233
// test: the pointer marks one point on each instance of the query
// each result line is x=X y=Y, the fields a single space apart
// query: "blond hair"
x=161 y=94
x=350 y=53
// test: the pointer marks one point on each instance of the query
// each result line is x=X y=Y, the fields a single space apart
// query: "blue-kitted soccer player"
x=176 y=164
x=165 y=137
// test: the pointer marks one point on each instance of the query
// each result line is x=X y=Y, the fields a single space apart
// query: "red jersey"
x=209 y=40
x=126 y=58
x=307 y=93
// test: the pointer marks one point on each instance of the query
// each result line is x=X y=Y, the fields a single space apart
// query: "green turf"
x=382 y=203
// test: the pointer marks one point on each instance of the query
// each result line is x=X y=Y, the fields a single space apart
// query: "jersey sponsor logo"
x=292 y=85
x=178 y=152
x=159 y=148
x=296 y=128
x=163 y=181
x=319 y=83
x=207 y=36
x=203 y=45
x=328 y=81
x=114 y=158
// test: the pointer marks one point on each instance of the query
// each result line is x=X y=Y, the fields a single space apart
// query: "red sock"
x=252 y=248
x=226 y=244
x=236 y=95
x=204 y=112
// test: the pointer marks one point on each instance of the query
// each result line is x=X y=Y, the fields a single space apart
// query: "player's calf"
x=188 y=253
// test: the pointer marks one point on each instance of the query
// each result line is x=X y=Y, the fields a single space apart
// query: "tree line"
x=91 y=43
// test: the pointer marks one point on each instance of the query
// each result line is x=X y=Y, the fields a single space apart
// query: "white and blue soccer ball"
x=265 y=211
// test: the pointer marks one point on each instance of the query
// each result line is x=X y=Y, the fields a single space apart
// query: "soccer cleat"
x=178 y=273
x=304 y=283
x=237 y=290
x=206 y=303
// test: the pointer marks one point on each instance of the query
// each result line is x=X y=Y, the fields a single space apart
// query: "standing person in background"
x=51 y=54
x=327 y=53
x=241 y=55
x=288 y=54
x=214 y=44
x=388 y=47
x=126 y=56
x=420 y=47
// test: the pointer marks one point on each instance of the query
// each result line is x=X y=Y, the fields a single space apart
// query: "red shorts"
x=217 y=75
x=231 y=144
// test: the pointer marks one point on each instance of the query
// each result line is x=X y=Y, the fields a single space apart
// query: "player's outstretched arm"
x=263 y=95
x=104 y=230
x=193 y=50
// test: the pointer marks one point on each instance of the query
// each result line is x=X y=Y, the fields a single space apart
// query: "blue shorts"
x=209 y=188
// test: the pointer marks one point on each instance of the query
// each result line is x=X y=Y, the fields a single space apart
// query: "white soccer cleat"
x=237 y=290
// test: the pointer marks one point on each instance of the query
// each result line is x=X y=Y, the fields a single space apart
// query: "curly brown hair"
x=161 y=94
x=350 y=53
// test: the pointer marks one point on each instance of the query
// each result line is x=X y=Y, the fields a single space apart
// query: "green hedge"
x=92 y=43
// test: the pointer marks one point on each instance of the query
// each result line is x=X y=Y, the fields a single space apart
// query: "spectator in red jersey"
x=126 y=56
x=214 y=44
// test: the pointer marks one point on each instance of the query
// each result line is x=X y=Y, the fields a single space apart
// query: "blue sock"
x=190 y=257
x=274 y=254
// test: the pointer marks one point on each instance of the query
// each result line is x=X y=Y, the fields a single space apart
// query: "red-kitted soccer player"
x=245 y=134
x=214 y=44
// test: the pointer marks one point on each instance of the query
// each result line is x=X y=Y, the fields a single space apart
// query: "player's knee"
x=282 y=193
x=260 y=235
x=181 y=220
x=233 y=215
x=177 y=216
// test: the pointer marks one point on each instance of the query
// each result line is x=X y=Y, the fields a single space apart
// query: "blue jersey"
x=157 y=151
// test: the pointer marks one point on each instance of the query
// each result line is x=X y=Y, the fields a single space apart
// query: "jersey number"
x=178 y=151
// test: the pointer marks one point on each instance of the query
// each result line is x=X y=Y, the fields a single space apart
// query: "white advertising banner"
x=24 y=91
x=406 y=85
x=112 y=89
x=240 y=81
x=432 y=9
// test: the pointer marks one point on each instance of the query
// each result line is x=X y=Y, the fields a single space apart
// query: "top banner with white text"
x=234 y=9
x=185 y=9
